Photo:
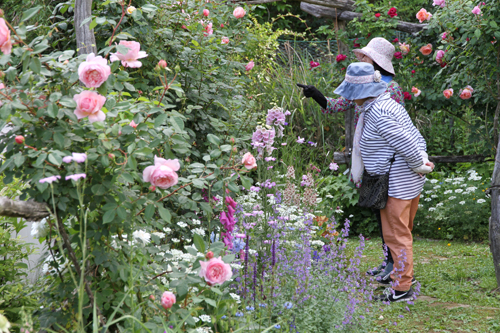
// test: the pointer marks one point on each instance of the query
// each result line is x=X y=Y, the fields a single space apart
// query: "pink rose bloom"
x=133 y=124
x=130 y=59
x=49 y=179
x=423 y=15
x=78 y=157
x=215 y=271
x=426 y=50
x=249 y=161
x=405 y=48
x=94 y=71
x=448 y=93
x=206 y=12
x=2 y=86
x=239 y=12
x=5 y=43
x=167 y=300
x=444 y=35
x=440 y=3
x=416 y=92
x=476 y=10
x=439 y=56
x=341 y=57
x=466 y=93
x=224 y=40
x=89 y=104
x=249 y=66
x=162 y=174
x=208 y=30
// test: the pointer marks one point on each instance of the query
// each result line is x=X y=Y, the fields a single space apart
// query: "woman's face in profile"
x=365 y=58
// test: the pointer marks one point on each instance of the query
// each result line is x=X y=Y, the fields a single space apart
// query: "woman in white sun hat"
x=379 y=52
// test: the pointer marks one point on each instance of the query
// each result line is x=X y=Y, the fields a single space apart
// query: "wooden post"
x=495 y=213
x=85 y=38
x=349 y=128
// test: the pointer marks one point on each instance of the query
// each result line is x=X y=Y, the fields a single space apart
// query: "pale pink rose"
x=439 y=56
x=476 y=10
x=5 y=43
x=206 y=12
x=416 y=92
x=440 y=3
x=133 y=124
x=167 y=300
x=423 y=15
x=215 y=271
x=405 y=48
x=249 y=161
x=224 y=40
x=426 y=50
x=208 y=30
x=79 y=157
x=448 y=93
x=162 y=174
x=239 y=12
x=2 y=86
x=94 y=71
x=134 y=53
x=249 y=66
x=89 y=104
x=466 y=93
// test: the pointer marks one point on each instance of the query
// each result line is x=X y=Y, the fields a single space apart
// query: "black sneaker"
x=393 y=296
x=386 y=280
x=384 y=277
x=379 y=269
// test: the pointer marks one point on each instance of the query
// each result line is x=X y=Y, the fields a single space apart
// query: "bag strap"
x=392 y=161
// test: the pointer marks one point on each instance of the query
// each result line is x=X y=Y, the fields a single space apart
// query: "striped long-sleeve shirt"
x=388 y=129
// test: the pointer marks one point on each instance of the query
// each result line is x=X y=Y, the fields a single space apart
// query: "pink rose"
x=466 y=93
x=162 y=174
x=416 y=92
x=440 y=3
x=206 y=12
x=423 y=15
x=133 y=124
x=439 y=56
x=448 y=93
x=5 y=43
x=249 y=66
x=426 y=50
x=162 y=64
x=377 y=15
x=130 y=58
x=167 y=300
x=476 y=10
x=208 y=29
x=444 y=35
x=89 y=104
x=249 y=161
x=239 y=12
x=398 y=55
x=405 y=48
x=341 y=57
x=224 y=40
x=94 y=71
x=215 y=271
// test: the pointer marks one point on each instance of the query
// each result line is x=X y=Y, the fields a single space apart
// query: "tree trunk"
x=29 y=210
x=495 y=213
x=349 y=129
x=85 y=39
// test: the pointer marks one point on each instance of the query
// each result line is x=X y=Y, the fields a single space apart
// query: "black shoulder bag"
x=374 y=190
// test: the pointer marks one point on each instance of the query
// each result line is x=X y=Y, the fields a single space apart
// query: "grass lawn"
x=457 y=289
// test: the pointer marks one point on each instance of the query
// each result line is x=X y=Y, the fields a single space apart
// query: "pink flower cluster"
x=263 y=138
x=341 y=57
x=227 y=220
x=277 y=117
x=439 y=58
x=215 y=271
x=130 y=58
x=5 y=43
x=163 y=173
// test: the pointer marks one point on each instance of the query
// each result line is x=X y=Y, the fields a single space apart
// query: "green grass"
x=458 y=289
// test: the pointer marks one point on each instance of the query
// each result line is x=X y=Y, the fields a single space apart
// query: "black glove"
x=311 y=91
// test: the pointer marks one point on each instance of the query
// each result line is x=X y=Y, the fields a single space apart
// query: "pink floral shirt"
x=341 y=104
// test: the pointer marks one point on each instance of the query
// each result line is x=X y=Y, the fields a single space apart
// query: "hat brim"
x=352 y=91
x=376 y=57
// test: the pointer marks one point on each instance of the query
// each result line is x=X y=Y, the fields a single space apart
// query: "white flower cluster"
x=434 y=181
x=479 y=201
x=473 y=175
x=203 y=329
x=462 y=202
x=235 y=297
x=448 y=191
x=40 y=229
x=452 y=197
x=196 y=222
x=432 y=209
x=142 y=236
x=459 y=190
x=199 y=231
x=182 y=224
x=317 y=242
x=206 y=318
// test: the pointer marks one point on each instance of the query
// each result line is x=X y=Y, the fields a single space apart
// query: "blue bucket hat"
x=361 y=81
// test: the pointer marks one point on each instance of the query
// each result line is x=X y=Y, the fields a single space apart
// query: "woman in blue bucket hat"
x=379 y=52
x=384 y=130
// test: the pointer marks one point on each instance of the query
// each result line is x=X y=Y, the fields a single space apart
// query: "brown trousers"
x=397 y=224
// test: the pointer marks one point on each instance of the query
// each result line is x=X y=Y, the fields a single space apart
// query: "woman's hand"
x=312 y=91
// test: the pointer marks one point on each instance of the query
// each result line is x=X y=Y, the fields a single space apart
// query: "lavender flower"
x=49 y=179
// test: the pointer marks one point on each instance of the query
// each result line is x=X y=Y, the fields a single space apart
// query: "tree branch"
x=29 y=210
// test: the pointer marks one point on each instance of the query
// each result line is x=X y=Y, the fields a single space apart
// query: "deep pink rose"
x=355 y=43
x=439 y=56
x=341 y=57
x=130 y=58
x=398 y=55
x=239 y=12
x=466 y=93
x=5 y=43
x=407 y=95
x=377 y=15
x=444 y=35
x=162 y=174
x=215 y=271
x=313 y=64
x=94 y=71
x=249 y=161
x=167 y=300
x=89 y=104
x=249 y=66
